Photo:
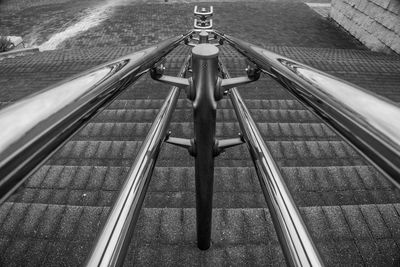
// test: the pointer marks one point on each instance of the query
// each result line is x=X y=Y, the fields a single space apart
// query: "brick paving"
x=133 y=23
x=35 y=21
x=268 y=23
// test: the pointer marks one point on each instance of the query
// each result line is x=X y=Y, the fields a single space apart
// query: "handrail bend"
x=33 y=128
x=296 y=243
x=369 y=122
x=113 y=241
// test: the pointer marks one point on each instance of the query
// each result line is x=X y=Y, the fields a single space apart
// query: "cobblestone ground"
x=36 y=20
x=142 y=23
x=268 y=23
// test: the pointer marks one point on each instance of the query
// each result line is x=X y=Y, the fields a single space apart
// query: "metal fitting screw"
x=253 y=73
x=157 y=72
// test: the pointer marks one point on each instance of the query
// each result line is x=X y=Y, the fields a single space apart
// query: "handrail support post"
x=205 y=77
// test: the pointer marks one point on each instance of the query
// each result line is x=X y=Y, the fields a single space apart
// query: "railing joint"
x=221 y=145
x=253 y=74
x=203 y=25
x=157 y=74
x=189 y=144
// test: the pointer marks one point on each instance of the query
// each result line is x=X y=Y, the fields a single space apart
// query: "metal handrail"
x=296 y=242
x=370 y=123
x=33 y=128
x=113 y=241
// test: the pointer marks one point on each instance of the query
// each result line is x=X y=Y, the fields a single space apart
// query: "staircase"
x=352 y=212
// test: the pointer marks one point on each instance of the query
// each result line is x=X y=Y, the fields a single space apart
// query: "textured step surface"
x=236 y=187
x=365 y=234
x=357 y=234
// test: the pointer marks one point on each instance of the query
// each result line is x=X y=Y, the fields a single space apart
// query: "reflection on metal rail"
x=369 y=122
x=113 y=241
x=34 y=127
x=294 y=238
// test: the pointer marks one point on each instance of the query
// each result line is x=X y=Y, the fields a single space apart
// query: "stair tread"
x=334 y=228
x=132 y=131
x=234 y=186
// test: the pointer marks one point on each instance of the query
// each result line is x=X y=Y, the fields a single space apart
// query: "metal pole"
x=114 y=239
x=296 y=242
x=203 y=37
x=205 y=75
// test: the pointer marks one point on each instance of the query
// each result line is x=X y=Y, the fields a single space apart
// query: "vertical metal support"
x=205 y=75
x=203 y=37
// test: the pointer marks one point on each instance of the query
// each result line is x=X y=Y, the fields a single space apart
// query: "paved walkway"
x=135 y=23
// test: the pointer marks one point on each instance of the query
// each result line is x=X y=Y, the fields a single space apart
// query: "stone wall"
x=376 y=23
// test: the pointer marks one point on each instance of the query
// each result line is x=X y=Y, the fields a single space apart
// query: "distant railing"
x=369 y=123
x=33 y=128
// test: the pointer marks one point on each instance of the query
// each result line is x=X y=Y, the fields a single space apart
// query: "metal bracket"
x=253 y=74
x=203 y=14
x=203 y=24
x=221 y=145
x=186 y=83
x=203 y=38
x=182 y=142
x=187 y=42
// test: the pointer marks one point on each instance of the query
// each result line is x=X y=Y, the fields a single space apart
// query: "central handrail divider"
x=113 y=241
x=296 y=242
x=33 y=128
x=370 y=123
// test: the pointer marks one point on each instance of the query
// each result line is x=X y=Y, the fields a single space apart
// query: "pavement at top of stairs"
x=134 y=23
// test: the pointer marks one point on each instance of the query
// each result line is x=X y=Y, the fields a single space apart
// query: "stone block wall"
x=376 y=23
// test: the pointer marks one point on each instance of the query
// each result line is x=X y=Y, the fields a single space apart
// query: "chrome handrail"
x=33 y=128
x=113 y=241
x=370 y=123
x=296 y=242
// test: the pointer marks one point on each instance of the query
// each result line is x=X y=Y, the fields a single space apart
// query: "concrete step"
x=234 y=187
x=226 y=115
x=48 y=234
x=288 y=153
x=225 y=103
x=271 y=131
x=265 y=88
x=343 y=234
